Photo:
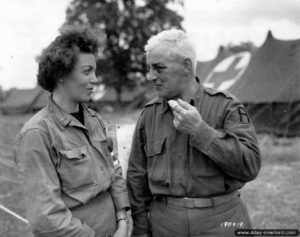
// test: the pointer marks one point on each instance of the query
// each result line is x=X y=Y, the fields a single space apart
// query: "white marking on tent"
x=224 y=64
x=226 y=84
x=227 y=66
x=13 y=214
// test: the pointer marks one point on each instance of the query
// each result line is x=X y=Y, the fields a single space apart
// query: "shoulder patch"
x=212 y=91
x=156 y=100
x=244 y=117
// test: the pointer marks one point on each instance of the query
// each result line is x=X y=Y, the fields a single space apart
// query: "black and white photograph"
x=149 y=118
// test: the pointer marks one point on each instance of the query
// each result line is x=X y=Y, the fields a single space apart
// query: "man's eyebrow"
x=157 y=65
x=88 y=66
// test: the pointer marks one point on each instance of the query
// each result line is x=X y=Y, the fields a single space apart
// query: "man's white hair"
x=176 y=44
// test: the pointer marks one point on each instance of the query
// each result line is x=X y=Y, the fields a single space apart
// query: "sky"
x=26 y=27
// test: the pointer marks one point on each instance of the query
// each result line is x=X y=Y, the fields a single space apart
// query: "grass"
x=272 y=198
x=12 y=197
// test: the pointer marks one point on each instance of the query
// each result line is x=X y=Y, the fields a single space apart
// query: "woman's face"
x=80 y=83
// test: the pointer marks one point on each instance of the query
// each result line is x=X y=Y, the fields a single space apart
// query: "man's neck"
x=190 y=91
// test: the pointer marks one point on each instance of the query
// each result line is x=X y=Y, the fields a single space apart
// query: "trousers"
x=168 y=220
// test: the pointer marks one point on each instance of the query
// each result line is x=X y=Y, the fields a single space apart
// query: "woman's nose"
x=93 y=79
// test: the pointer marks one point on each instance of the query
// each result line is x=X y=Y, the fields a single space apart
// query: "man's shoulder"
x=148 y=108
x=223 y=93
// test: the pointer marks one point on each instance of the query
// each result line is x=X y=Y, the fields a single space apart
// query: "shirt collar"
x=198 y=95
x=64 y=118
x=194 y=100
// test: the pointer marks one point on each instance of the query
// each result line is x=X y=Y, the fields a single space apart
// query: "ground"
x=272 y=198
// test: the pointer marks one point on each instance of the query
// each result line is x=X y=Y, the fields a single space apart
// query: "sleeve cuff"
x=121 y=202
x=204 y=137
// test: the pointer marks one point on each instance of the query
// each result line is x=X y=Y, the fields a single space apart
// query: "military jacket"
x=221 y=157
x=66 y=165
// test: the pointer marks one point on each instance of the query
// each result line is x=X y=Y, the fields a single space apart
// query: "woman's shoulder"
x=36 y=122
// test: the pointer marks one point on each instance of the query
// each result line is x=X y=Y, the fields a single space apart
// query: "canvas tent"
x=269 y=86
x=204 y=68
x=20 y=101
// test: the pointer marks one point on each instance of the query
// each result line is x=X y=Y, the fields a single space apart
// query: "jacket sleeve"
x=46 y=212
x=234 y=149
x=118 y=188
x=140 y=195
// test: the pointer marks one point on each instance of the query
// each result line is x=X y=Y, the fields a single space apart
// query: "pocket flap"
x=155 y=147
x=76 y=153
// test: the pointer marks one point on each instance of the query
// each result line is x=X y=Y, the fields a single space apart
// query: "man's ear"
x=187 y=65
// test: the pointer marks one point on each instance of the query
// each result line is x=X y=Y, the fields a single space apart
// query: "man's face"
x=166 y=74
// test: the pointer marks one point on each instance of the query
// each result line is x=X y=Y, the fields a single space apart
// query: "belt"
x=199 y=202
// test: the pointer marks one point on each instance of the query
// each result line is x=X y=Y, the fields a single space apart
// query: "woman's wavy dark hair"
x=59 y=58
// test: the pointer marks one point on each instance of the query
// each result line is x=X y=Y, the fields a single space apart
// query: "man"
x=192 y=149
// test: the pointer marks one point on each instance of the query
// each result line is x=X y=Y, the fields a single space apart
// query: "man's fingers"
x=184 y=104
x=175 y=122
x=177 y=115
x=176 y=106
x=173 y=103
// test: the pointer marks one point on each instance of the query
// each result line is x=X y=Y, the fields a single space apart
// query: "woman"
x=73 y=185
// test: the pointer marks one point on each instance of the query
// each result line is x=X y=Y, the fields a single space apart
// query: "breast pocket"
x=158 y=163
x=76 y=168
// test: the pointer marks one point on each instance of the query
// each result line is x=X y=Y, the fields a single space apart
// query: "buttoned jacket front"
x=66 y=165
x=220 y=158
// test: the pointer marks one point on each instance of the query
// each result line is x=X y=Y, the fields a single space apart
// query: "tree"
x=242 y=47
x=2 y=94
x=127 y=25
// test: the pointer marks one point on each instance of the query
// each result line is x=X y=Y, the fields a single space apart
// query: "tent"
x=20 y=101
x=204 y=68
x=268 y=85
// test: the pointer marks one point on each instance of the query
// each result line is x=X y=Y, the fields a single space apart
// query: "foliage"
x=127 y=24
x=1 y=94
x=242 y=47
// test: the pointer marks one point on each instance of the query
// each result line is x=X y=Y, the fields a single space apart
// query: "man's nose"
x=152 y=76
